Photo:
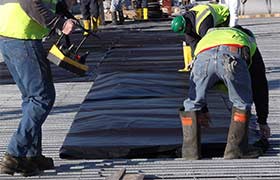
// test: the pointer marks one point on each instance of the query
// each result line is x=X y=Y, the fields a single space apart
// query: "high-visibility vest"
x=15 y=23
x=219 y=12
x=226 y=36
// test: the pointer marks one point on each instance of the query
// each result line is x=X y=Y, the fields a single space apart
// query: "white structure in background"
x=233 y=6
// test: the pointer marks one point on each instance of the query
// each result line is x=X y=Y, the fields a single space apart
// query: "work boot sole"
x=11 y=171
x=34 y=173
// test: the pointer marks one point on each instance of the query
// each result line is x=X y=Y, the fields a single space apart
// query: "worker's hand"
x=264 y=130
x=204 y=119
x=68 y=26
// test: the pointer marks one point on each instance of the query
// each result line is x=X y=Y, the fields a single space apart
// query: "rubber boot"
x=114 y=18
x=99 y=21
x=94 y=24
x=86 y=26
x=121 y=17
x=237 y=142
x=191 y=147
x=139 y=13
x=187 y=51
x=145 y=13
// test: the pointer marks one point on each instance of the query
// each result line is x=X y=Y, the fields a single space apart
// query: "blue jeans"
x=27 y=63
x=211 y=66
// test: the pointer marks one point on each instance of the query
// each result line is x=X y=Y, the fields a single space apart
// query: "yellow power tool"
x=66 y=55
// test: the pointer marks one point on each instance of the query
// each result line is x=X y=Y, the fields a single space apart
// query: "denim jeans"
x=27 y=63
x=211 y=66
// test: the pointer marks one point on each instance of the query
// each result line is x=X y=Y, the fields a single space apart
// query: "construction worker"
x=197 y=20
x=225 y=54
x=142 y=9
x=90 y=14
x=21 y=31
x=194 y=24
x=117 y=12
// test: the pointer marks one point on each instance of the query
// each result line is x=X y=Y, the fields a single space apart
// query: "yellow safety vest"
x=226 y=36
x=220 y=14
x=18 y=24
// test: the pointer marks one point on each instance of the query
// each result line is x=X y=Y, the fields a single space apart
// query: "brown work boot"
x=10 y=165
x=42 y=162
x=191 y=147
x=237 y=142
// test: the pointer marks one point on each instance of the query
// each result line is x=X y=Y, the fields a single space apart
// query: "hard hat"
x=178 y=24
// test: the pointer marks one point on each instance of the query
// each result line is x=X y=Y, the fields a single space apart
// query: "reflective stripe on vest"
x=18 y=24
x=226 y=36
x=219 y=13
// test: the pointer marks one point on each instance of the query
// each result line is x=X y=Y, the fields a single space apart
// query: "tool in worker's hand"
x=67 y=57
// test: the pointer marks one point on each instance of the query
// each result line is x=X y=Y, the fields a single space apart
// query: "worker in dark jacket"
x=90 y=13
x=26 y=22
x=197 y=20
x=226 y=54
x=194 y=24
x=142 y=9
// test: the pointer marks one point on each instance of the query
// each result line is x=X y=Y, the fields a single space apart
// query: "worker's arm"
x=260 y=92
x=41 y=14
x=192 y=40
x=259 y=87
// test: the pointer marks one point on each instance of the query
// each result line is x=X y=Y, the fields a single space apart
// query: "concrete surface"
x=70 y=95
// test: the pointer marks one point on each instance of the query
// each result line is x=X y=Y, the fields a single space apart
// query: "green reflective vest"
x=220 y=14
x=226 y=36
x=18 y=24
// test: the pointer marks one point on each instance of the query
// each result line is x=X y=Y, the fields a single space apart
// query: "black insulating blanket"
x=131 y=110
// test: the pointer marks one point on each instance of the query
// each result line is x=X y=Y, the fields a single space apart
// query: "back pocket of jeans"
x=200 y=68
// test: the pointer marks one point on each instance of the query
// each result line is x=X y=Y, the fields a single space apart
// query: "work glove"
x=68 y=26
x=264 y=131
x=204 y=119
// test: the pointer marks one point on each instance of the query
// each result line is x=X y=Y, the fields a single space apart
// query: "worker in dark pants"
x=230 y=55
x=142 y=9
x=25 y=24
x=90 y=14
x=117 y=12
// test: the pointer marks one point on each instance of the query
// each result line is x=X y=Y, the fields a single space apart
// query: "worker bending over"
x=196 y=21
x=231 y=55
x=26 y=22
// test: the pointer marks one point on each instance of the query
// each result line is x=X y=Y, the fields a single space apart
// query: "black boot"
x=42 y=162
x=121 y=17
x=114 y=18
x=237 y=141
x=191 y=147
